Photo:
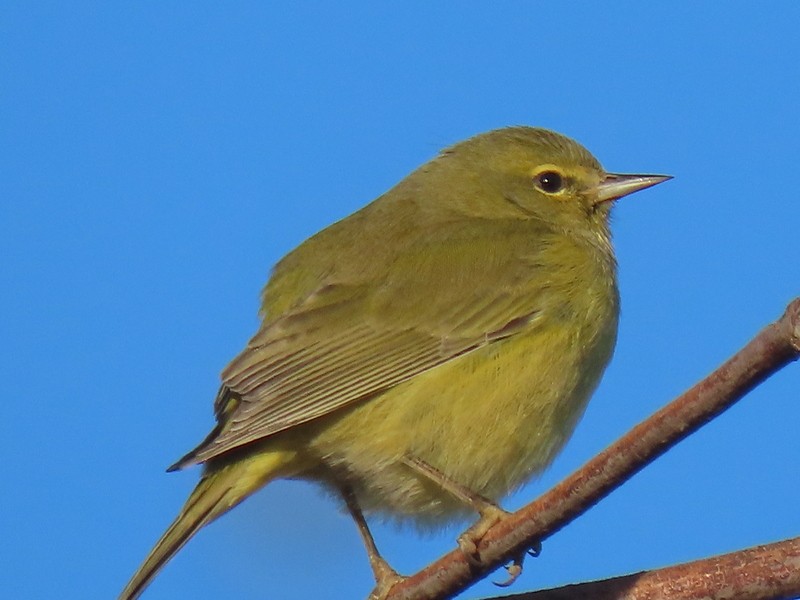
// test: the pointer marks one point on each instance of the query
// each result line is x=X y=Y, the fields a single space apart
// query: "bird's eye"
x=549 y=182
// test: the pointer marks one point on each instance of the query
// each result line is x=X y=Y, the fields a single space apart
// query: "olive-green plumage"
x=463 y=319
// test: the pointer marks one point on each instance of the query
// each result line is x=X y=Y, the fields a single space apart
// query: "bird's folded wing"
x=347 y=343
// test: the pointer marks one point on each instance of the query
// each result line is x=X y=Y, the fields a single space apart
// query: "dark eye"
x=550 y=182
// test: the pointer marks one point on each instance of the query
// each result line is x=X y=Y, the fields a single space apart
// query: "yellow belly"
x=489 y=420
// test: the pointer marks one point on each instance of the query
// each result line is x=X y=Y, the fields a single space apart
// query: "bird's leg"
x=490 y=513
x=385 y=575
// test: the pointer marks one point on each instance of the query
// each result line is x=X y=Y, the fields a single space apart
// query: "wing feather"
x=367 y=365
x=345 y=343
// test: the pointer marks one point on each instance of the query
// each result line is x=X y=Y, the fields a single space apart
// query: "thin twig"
x=773 y=348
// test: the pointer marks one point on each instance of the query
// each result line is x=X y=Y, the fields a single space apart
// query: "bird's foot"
x=385 y=578
x=514 y=569
x=490 y=515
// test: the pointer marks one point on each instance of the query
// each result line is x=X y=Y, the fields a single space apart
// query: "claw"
x=469 y=548
x=514 y=571
x=535 y=550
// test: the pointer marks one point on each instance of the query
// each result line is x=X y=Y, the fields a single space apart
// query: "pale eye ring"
x=550 y=182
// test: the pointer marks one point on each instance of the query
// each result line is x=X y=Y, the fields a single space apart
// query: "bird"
x=428 y=354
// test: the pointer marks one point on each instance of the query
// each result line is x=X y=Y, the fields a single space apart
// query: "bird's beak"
x=616 y=185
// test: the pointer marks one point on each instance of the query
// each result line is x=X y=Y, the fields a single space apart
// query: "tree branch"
x=770 y=572
x=773 y=348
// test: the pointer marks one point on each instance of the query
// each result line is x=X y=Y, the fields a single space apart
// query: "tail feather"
x=218 y=491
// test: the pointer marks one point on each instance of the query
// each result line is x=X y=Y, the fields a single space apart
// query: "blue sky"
x=157 y=159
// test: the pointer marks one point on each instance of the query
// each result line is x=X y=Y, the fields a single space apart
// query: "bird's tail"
x=219 y=490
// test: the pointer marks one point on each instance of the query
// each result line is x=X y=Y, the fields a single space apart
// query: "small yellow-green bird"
x=431 y=352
